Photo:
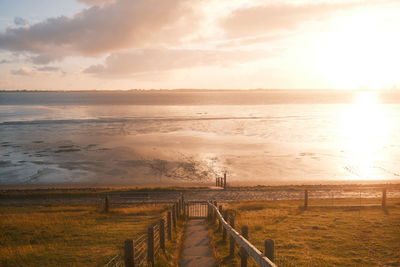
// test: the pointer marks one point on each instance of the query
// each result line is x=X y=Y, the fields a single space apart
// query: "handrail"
x=243 y=242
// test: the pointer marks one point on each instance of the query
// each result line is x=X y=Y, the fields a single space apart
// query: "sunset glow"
x=199 y=44
x=366 y=133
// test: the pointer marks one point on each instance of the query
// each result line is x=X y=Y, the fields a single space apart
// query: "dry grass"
x=319 y=236
x=69 y=235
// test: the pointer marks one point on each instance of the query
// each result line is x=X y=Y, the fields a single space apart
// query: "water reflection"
x=365 y=134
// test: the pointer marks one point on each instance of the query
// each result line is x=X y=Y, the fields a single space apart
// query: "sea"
x=174 y=137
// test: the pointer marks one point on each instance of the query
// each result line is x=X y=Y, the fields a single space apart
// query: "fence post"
x=177 y=203
x=185 y=215
x=384 y=198
x=162 y=235
x=225 y=216
x=178 y=209
x=231 y=240
x=215 y=212
x=306 y=199
x=219 y=222
x=174 y=216
x=150 y=245
x=183 y=207
x=269 y=249
x=169 y=225
x=243 y=253
x=129 y=253
x=106 y=204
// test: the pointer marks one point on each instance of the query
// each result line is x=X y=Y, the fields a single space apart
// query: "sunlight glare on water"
x=365 y=134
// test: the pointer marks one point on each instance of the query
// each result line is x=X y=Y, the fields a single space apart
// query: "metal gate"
x=196 y=209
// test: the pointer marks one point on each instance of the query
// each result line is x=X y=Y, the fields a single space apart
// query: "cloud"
x=270 y=18
x=27 y=71
x=48 y=69
x=23 y=71
x=5 y=61
x=20 y=21
x=159 y=60
x=97 y=2
x=99 y=30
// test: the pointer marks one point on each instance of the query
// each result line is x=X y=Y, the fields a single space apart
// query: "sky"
x=202 y=44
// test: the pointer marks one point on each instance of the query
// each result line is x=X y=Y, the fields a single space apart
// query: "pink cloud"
x=100 y=30
x=280 y=17
x=159 y=60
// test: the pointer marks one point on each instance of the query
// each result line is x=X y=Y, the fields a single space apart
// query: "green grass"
x=319 y=236
x=69 y=235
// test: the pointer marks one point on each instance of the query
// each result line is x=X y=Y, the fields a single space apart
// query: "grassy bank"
x=321 y=236
x=68 y=235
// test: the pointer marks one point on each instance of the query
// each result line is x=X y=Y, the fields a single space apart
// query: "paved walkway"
x=196 y=246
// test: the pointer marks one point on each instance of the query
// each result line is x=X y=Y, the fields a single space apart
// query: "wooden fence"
x=144 y=250
x=246 y=248
x=308 y=203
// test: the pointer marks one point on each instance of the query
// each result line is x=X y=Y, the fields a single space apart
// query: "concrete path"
x=196 y=246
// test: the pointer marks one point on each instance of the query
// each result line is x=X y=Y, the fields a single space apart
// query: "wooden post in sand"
x=129 y=253
x=243 y=253
x=384 y=198
x=225 y=180
x=306 y=199
x=269 y=249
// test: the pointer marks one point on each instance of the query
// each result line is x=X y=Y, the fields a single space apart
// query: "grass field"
x=320 y=236
x=69 y=235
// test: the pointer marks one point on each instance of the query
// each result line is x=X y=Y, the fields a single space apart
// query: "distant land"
x=194 y=97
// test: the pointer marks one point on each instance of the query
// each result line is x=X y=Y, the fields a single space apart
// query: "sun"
x=360 y=50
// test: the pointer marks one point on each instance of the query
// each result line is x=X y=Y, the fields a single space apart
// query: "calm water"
x=258 y=137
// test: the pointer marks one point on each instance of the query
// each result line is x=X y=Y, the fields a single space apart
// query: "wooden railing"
x=247 y=249
x=144 y=250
